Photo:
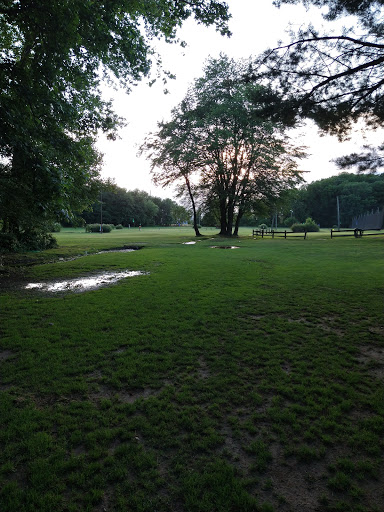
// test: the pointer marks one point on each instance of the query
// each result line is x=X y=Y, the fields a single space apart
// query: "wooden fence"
x=277 y=234
x=357 y=233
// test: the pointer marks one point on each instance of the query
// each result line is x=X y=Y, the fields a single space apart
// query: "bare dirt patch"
x=125 y=396
x=6 y=354
x=373 y=358
x=203 y=369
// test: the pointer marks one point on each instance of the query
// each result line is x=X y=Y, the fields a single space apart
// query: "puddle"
x=105 y=251
x=120 y=249
x=83 y=284
x=225 y=247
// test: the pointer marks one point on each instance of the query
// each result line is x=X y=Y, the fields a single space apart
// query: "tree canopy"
x=332 y=78
x=133 y=208
x=358 y=194
x=220 y=139
x=53 y=56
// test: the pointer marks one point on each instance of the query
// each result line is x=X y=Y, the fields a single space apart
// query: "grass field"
x=222 y=380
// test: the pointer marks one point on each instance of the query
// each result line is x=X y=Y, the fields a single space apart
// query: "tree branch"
x=329 y=38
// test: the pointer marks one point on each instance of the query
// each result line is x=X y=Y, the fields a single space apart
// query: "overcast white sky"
x=255 y=25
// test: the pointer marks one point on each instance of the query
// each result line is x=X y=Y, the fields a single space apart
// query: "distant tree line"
x=117 y=205
x=358 y=193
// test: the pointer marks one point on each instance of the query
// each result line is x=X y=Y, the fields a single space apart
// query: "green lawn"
x=223 y=380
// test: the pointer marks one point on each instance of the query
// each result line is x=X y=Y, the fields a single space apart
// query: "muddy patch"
x=106 y=392
x=203 y=369
x=327 y=324
x=6 y=354
x=83 y=284
x=373 y=359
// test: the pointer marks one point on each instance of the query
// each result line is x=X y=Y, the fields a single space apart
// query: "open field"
x=226 y=380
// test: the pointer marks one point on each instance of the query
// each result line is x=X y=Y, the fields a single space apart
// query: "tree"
x=169 y=212
x=370 y=159
x=172 y=154
x=220 y=140
x=53 y=56
x=357 y=194
x=334 y=79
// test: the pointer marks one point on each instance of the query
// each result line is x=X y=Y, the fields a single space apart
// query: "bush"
x=36 y=240
x=263 y=226
x=55 y=227
x=9 y=243
x=289 y=221
x=95 y=228
x=33 y=239
x=301 y=228
x=119 y=226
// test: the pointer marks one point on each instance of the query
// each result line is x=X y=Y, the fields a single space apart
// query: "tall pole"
x=338 y=213
x=101 y=211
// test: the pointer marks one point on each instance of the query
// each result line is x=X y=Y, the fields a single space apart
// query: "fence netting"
x=372 y=220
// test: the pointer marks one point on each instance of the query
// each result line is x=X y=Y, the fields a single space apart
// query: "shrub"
x=9 y=243
x=95 y=228
x=119 y=226
x=301 y=228
x=55 y=227
x=289 y=221
x=36 y=239
x=312 y=227
x=263 y=226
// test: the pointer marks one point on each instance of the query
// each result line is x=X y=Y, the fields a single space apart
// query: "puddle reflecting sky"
x=84 y=283
x=225 y=247
x=116 y=250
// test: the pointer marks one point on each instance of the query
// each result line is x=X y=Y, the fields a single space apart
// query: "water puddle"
x=120 y=249
x=83 y=284
x=105 y=251
x=224 y=247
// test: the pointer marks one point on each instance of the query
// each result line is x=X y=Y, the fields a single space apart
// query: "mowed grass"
x=223 y=380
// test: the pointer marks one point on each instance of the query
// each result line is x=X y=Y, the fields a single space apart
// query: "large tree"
x=172 y=151
x=221 y=140
x=334 y=78
x=53 y=57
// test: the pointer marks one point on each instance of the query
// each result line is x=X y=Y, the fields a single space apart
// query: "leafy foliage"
x=99 y=228
x=308 y=226
x=370 y=159
x=53 y=56
x=333 y=78
x=357 y=195
x=222 y=145
x=134 y=207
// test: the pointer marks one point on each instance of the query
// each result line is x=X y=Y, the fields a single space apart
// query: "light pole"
x=101 y=211
x=338 y=213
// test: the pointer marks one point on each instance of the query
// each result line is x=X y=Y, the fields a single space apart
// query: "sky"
x=255 y=26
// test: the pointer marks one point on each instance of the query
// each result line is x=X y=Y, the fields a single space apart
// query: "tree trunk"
x=223 y=218
x=195 y=226
x=237 y=224
x=230 y=216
